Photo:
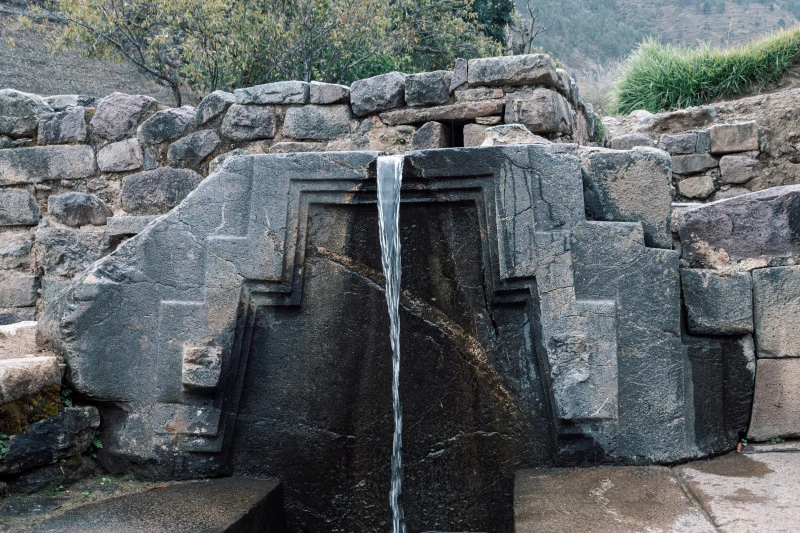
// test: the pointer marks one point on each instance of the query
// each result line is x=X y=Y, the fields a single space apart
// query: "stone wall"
x=720 y=150
x=77 y=177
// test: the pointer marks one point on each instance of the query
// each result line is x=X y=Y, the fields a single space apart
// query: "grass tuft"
x=660 y=77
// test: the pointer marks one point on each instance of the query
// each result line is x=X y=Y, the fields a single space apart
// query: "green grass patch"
x=659 y=77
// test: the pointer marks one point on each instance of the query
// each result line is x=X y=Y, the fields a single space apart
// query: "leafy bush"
x=659 y=77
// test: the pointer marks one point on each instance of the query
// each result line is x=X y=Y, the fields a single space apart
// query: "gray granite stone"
x=20 y=112
x=154 y=192
x=248 y=123
x=776 y=404
x=121 y=156
x=428 y=88
x=682 y=143
x=379 y=93
x=78 y=209
x=118 y=114
x=38 y=164
x=213 y=106
x=530 y=69
x=61 y=102
x=459 y=79
x=317 y=122
x=18 y=290
x=692 y=164
x=66 y=252
x=776 y=302
x=280 y=92
x=166 y=125
x=328 y=93
x=127 y=226
x=728 y=138
x=18 y=208
x=540 y=110
x=63 y=127
x=718 y=304
x=736 y=169
x=627 y=142
x=15 y=250
x=697 y=187
x=432 y=135
x=194 y=148
x=615 y=183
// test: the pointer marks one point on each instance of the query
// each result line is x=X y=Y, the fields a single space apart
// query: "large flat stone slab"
x=747 y=493
x=634 y=499
x=221 y=505
x=776 y=404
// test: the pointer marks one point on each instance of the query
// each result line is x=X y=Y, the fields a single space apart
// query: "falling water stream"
x=390 y=176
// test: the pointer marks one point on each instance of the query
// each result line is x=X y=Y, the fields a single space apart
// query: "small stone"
x=328 y=93
x=479 y=93
x=281 y=92
x=15 y=250
x=78 y=209
x=317 y=122
x=727 y=138
x=737 y=169
x=63 y=127
x=461 y=111
x=65 y=252
x=718 y=304
x=120 y=156
x=214 y=105
x=126 y=226
x=19 y=166
x=14 y=315
x=194 y=148
x=692 y=164
x=777 y=311
x=166 y=125
x=474 y=134
x=60 y=102
x=154 y=192
x=292 y=147
x=68 y=433
x=703 y=142
x=20 y=112
x=700 y=187
x=428 y=88
x=432 y=135
x=459 y=78
x=378 y=93
x=532 y=69
x=202 y=367
x=511 y=134
x=118 y=114
x=684 y=143
x=626 y=142
x=18 y=291
x=248 y=123
x=26 y=376
x=488 y=121
x=540 y=110
x=18 y=208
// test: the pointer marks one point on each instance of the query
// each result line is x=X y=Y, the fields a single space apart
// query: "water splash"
x=390 y=177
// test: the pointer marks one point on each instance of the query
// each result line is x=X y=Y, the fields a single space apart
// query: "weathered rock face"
x=247 y=123
x=19 y=113
x=153 y=192
x=65 y=252
x=428 y=88
x=78 y=209
x=540 y=110
x=544 y=337
x=166 y=125
x=615 y=183
x=118 y=114
x=378 y=93
x=281 y=92
x=777 y=311
x=513 y=70
x=317 y=122
x=718 y=304
x=21 y=166
x=194 y=148
x=63 y=127
x=18 y=208
x=767 y=228
x=120 y=156
x=214 y=105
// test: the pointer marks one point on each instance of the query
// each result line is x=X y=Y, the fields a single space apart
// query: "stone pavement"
x=756 y=491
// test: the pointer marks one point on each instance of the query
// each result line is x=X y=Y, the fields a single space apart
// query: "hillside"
x=591 y=34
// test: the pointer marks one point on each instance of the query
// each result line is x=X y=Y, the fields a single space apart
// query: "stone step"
x=228 y=505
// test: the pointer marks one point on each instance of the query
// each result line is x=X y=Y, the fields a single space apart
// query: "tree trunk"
x=176 y=93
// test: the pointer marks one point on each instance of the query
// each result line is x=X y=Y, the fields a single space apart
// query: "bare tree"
x=524 y=31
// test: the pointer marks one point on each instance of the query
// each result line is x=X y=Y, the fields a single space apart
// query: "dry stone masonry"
x=211 y=278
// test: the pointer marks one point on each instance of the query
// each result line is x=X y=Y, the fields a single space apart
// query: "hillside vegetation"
x=660 y=77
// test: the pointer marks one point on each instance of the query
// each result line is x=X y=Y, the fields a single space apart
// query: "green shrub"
x=659 y=77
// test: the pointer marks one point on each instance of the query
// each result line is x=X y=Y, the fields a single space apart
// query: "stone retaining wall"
x=76 y=180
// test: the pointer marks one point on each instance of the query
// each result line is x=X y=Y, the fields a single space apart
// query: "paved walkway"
x=753 y=492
